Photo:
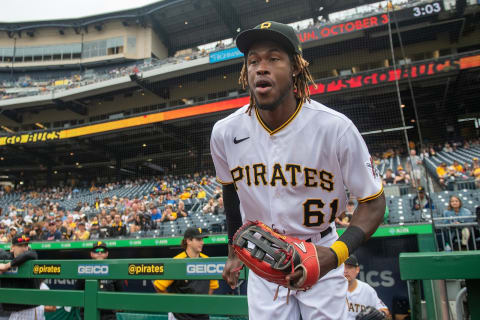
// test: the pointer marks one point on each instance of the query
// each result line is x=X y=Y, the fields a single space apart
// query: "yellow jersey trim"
x=223 y=182
x=272 y=132
x=373 y=196
x=162 y=285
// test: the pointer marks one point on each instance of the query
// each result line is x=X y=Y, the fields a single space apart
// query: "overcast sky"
x=34 y=10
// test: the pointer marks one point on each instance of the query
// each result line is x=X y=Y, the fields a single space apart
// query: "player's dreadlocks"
x=300 y=82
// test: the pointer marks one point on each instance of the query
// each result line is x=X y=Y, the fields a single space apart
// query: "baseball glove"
x=370 y=313
x=273 y=256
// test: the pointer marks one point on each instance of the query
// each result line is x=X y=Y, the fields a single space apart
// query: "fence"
x=151 y=269
x=457 y=236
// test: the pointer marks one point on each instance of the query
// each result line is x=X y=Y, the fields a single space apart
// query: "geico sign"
x=205 y=268
x=92 y=269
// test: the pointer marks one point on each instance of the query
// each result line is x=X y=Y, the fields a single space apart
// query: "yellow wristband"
x=341 y=250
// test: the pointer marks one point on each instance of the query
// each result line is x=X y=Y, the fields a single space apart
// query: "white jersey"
x=294 y=177
x=360 y=298
x=37 y=313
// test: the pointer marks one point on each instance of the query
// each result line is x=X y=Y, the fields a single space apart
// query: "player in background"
x=360 y=295
x=100 y=252
x=286 y=160
x=19 y=254
x=192 y=243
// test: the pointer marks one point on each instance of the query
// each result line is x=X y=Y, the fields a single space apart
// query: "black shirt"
x=21 y=283
x=104 y=285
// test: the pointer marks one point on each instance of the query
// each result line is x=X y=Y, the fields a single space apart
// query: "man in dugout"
x=19 y=254
x=100 y=252
x=192 y=244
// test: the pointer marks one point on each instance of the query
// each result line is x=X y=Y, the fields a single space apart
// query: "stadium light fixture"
x=7 y=129
x=144 y=145
x=71 y=153
x=2 y=158
x=55 y=172
x=38 y=124
x=403 y=106
x=186 y=22
x=77 y=164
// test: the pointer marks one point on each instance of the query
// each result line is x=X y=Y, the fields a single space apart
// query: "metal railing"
x=457 y=236
x=92 y=299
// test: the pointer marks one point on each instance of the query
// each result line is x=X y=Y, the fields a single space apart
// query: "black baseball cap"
x=352 y=261
x=191 y=233
x=273 y=31
x=20 y=239
x=100 y=244
x=421 y=189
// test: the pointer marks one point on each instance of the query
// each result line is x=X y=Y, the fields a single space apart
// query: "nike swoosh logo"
x=239 y=140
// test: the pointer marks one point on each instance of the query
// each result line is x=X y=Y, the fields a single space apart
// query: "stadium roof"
x=188 y=23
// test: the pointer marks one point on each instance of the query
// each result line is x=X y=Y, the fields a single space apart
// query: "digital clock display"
x=427 y=9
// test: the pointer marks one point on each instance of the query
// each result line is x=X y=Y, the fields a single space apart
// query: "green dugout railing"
x=440 y=266
x=384 y=231
x=92 y=299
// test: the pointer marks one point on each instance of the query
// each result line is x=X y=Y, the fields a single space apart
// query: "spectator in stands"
x=219 y=208
x=168 y=214
x=53 y=233
x=37 y=232
x=467 y=169
x=155 y=214
x=476 y=172
x=3 y=235
x=447 y=148
x=389 y=177
x=27 y=228
x=421 y=200
x=192 y=244
x=186 y=194
x=13 y=233
x=104 y=229
x=94 y=229
x=201 y=194
x=117 y=228
x=82 y=233
x=402 y=176
x=442 y=173
x=456 y=209
x=208 y=208
x=181 y=212
x=416 y=163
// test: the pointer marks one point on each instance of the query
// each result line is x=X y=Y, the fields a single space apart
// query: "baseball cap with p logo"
x=270 y=31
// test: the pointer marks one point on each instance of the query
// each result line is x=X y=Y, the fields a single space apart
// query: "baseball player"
x=19 y=254
x=360 y=295
x=286 y=161
x=192 y=244
x=99 y=251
